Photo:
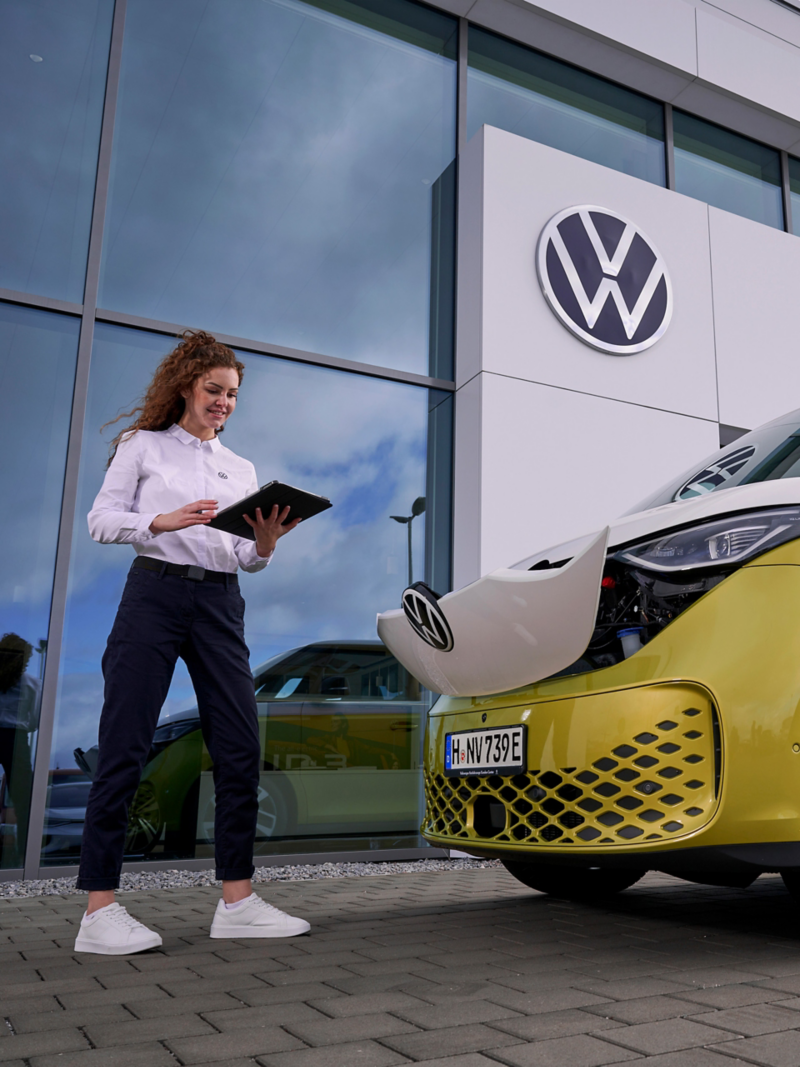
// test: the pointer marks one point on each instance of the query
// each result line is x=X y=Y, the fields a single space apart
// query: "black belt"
x=184 y=570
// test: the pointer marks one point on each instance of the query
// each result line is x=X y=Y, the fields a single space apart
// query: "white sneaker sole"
x=235 y=932
x=86 y=944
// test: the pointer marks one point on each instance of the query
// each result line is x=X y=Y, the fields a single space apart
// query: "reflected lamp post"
x=417 y=508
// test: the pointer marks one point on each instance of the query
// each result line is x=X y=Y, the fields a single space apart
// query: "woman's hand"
x=196 y=514
x=268 y=530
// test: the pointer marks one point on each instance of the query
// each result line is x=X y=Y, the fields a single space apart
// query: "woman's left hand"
x=268 y=530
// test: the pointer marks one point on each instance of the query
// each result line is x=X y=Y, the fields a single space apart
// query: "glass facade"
x=535 y=96
x=38 y=351
x=281 y=171
x=275 y=172
x=53 y=60
x=727 y=170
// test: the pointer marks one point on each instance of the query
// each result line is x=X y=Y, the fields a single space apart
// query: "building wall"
x=555 y=438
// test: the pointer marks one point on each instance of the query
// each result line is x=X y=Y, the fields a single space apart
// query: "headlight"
x=721 y=543
x=169 y=732
x=173 y=730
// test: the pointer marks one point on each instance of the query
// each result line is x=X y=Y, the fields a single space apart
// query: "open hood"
x=516 y=626
x=508 y=629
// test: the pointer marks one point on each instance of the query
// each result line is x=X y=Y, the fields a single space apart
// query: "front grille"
x=659 y=782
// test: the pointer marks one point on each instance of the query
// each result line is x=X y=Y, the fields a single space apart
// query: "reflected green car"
x=341 y=727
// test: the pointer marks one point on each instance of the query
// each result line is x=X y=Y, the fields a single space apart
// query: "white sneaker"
x=255 y=918
x=110 y=931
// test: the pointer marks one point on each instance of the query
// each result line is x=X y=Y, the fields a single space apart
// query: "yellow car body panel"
x=731 y=660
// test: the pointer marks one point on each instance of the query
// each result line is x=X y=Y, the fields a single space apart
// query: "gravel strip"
x=135 y=883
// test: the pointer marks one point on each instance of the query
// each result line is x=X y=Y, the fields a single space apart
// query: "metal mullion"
x=46 y=303
x=462 y=80
x=786 y=193
x=70 y=490
x=462 y=67
x=297 y=355
x=669 y=146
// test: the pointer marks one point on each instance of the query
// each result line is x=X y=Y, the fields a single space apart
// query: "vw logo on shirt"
x=426 y=617
x=604 y=279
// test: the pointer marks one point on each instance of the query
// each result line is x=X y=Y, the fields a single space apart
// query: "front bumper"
x=641 y=764
x=686 y=755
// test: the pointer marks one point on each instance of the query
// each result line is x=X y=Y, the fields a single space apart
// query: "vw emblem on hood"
x=604 y=279
x=426 y=617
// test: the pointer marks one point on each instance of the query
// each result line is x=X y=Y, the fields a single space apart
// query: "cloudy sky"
x=272 y=176
x=37 y=370
x=53 y=59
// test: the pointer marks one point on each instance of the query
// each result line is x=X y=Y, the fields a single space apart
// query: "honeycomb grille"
x=660 y=783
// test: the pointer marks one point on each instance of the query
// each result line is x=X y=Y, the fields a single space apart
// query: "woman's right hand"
x=198 y=513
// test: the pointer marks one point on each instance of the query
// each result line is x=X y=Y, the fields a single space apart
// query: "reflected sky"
x=727 y=170
x=53 y=59
x=359 y=441
x=534 y=96
x=272 y=174
x=37 y=372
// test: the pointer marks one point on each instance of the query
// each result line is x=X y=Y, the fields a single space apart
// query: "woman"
x=167 y=477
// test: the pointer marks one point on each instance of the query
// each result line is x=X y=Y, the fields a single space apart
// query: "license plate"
x=486 y=751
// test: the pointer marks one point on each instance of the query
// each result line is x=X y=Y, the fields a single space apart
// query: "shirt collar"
x=189 y=439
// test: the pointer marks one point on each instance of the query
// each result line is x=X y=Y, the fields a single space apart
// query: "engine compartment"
x=636 y=605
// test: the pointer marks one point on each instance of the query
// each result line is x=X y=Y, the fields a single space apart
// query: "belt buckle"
x=195 y=574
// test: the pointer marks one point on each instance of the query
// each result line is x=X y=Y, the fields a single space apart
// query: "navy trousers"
x=161 y=617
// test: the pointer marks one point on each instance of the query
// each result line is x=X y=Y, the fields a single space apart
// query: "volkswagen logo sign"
x=426 y=617
x=604 y=279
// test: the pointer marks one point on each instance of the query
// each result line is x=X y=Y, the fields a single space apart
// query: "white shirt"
x=155 y=472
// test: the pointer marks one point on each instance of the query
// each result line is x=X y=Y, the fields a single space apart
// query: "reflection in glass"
x=273 y=174
x=37 y=368
x=535 y=96
x=794 y=192
x=768 y=453
x=325 y=685
x=727 y=170
x=53 y=59
x=344 y=708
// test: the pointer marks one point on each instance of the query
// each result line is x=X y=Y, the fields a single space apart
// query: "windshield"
x=772 y=451
x=350 y=672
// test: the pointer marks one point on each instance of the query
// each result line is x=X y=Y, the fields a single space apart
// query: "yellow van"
x=629 y=701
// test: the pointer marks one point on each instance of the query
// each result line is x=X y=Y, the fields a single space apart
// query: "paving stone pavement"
x=450 y=969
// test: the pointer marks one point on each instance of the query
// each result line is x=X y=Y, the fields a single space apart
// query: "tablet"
x=303 y=506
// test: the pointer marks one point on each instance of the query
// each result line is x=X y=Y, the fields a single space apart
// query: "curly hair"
x=15 y=652
x=162 y=404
